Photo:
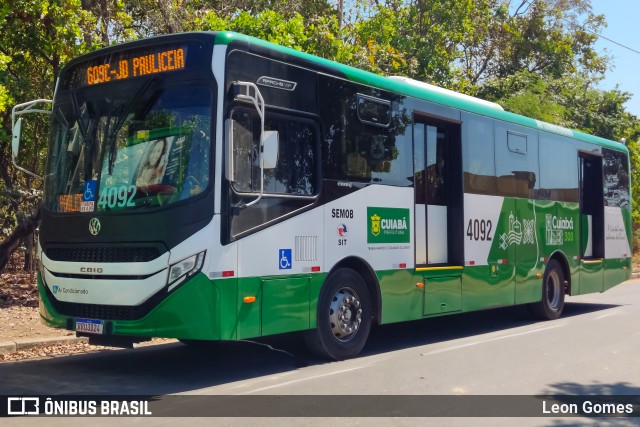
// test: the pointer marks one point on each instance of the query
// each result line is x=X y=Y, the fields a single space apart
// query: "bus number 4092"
x=479 y=229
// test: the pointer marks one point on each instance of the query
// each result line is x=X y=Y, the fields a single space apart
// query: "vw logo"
x=94 y=226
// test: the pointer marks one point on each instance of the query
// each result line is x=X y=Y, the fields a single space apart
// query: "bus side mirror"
x=15 y=141
x=270 y=144
x=16 y=129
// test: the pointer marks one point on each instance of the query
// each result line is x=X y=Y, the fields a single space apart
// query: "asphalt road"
x=592 y=350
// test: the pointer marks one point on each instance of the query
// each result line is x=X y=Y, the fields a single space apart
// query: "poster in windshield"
x=148 y=171
x=146 y=148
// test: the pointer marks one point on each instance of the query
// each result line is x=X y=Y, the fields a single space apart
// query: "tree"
x=545 y=37
x=36 y=37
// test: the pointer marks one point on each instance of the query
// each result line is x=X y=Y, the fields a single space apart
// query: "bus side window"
x=367 y=136
x=245 y=156
x=291 y=185
x=295 y=172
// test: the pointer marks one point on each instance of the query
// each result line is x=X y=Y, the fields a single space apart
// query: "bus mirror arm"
x=258 y=102
x=16 y=128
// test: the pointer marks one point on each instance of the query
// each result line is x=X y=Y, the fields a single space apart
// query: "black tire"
x=553 y=290
x=343 y=317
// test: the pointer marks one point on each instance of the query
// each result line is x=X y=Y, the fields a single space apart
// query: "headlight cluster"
x=183 y=270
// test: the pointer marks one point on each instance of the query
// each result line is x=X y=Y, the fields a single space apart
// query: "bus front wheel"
x=343 y=317
x=553 y=289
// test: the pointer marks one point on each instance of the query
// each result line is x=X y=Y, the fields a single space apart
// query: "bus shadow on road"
x=177 y=368
x=446 y=328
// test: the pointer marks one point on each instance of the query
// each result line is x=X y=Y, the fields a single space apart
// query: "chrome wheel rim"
x=345 y=314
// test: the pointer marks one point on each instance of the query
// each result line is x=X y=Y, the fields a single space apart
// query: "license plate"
x=90 y=326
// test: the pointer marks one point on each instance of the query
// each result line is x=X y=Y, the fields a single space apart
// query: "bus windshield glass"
x=130 y=145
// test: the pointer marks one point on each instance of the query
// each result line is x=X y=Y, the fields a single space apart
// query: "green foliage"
x=5 y=97
x=534 y=57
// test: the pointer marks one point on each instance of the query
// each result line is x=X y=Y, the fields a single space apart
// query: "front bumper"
x=200 y=309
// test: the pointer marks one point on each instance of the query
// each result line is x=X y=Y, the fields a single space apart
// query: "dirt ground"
x=19 y=318
x=19 y=306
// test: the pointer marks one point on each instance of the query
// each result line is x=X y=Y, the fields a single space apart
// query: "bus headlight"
x=185 y=269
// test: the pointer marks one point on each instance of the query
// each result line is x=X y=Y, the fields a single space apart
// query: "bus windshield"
x=128 y=146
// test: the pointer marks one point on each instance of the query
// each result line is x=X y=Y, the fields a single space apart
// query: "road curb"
x=7 y=347
x=635 y=275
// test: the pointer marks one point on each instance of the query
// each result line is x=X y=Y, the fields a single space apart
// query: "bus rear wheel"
x=343 y=317
x=553 y=289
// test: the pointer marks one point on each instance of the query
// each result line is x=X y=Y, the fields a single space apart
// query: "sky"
x=623 y=27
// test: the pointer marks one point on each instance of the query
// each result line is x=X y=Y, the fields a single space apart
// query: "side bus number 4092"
x=479 y=229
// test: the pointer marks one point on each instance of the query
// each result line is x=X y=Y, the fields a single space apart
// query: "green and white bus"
x=213 y=186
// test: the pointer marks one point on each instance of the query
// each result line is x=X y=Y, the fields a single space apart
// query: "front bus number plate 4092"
x=90 y=326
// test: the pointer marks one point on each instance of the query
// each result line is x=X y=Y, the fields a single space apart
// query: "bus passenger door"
x=438 y=213
x=591 y=224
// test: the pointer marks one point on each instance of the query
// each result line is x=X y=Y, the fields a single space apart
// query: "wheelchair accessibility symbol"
x=285 y=259
x=89 y=191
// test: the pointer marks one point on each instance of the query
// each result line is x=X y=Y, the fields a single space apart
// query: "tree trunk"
x=25 y=229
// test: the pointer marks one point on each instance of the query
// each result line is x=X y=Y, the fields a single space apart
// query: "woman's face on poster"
x=156 y=152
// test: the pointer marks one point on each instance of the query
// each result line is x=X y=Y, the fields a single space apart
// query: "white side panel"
x=109 y=292
x=437 y=234
x=316 y=240
x=479 y=207
x=421 y=234
x=276 y=251
x=616 y=243
x=351 y=211
x=588 y=250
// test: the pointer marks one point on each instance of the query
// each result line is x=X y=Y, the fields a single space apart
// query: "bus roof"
x=412 y=88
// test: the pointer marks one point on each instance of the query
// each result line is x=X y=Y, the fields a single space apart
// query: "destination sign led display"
x=135 y=65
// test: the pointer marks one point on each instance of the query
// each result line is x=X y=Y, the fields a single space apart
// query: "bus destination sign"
x=127 y=66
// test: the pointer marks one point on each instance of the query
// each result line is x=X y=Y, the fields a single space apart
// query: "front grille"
x=103 y=254
x=105 y=312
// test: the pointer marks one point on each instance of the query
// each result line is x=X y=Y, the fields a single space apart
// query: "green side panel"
x=493 y=285
x=528 y=252
x=285 y=305
x=47 y=313
x=528 y=234
x=628 y=225
x=199 y=309
x=282 y=304
x=402 y=299
x=317 y=280
x=591 y=276
x=442 y=294
x=570 y=246
x=559 y=233
x=249 y=313
x=616 y=271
